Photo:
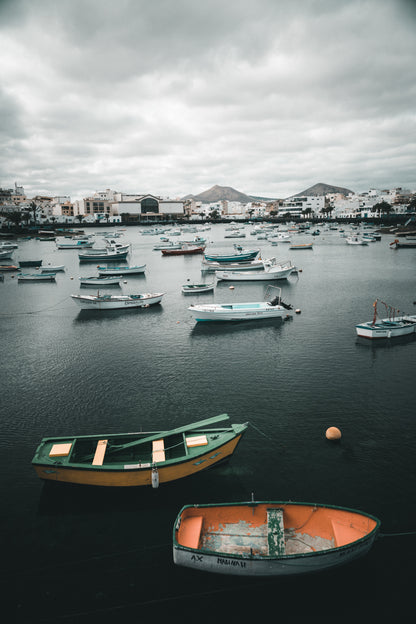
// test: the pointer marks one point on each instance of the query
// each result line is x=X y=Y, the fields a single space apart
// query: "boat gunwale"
x=371 y=535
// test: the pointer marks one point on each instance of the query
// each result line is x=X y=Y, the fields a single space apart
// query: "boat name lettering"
x=231 y=562
x=133 y=466
x=197 y=558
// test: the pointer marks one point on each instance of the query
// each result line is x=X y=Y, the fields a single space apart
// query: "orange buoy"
x=231 y=287
x=333 y=433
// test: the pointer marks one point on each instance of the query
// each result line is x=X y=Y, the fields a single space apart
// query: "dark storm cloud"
x=263 y=95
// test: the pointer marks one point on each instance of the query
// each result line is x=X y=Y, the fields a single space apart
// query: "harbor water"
x=81 y=554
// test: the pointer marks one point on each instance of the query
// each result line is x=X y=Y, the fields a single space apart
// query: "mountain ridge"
x=228 y=193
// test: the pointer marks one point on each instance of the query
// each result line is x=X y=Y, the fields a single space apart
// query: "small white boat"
x=355 y=240
x=273 y=270
x=100 y=280
x=52 y=268
x=272 y=307
x=253 y=265
x=127 y=270
x=193 y=288
x=282 y=237
x=270 y=538
x=36 y=277
x=6 y=253
x=116 y=302
x=391 y=327
x=109 y=254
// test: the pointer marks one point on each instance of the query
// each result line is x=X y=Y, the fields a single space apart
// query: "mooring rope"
x=36 y=311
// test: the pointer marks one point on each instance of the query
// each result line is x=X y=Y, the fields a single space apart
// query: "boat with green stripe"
x=137 y=459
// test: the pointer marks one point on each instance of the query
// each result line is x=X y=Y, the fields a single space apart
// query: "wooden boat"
x=184 y=250
x=272 y=271
x=137 y=459
x=117 y=302
x=270 y=308
x=244 y=255
x=127 y=270
x=301 y=246
x=270 y=538
x=403 y=244
x=8 y=267
x=391 y=327
x=52 y=268
x=192 y=288
x=36 y=277
x=30 y=263
x=107 y=255
x=100 y=280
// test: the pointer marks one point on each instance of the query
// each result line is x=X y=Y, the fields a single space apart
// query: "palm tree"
x=33 y=207
x=382 y=208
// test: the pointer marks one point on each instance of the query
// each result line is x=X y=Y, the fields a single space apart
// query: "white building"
x=296 y=205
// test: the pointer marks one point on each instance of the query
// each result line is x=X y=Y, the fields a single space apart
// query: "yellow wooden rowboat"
x=135 y=459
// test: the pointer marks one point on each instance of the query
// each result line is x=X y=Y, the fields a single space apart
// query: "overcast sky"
x=170 y=97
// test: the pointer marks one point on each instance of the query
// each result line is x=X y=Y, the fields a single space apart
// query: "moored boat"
x=407 y=243
x=8 y=267
x=127 y=270
x=137 y=459
x=270 y=538
x=394 y=325
x=301 y=246
x=100 y=280
x=242 y=255
x=272 y=270
x=183 y=250
x=192 y=288
x=116 y=302
x=107 y=255
x=74 y=244
x=272 y=307
x=6 y=253
x=36 y=277
x=252 y=265
x=30 y=263
x=356 y=240
x=52 y=268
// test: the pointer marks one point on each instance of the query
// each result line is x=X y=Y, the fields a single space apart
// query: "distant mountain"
x=218 y=193
x=323 y=189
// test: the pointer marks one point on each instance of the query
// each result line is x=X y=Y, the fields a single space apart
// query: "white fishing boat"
x=36 y=277
x=100 y=280
x=252 y=265
x=192 y=288
x=127 y=270
x=272 y=307
x=394 y=325
x=270 y=538
x=116 y=302
x=107 y=255
x=272 y=270
x=356 y=240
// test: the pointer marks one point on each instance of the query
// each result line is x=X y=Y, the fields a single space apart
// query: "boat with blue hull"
x=244 y=255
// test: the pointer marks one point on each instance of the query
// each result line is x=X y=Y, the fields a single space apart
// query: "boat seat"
x=200 y=440
x=99 y=453
x=158 y=451
x=345 y=533
x=190 y=531
x=275 y=532
x=60 y=450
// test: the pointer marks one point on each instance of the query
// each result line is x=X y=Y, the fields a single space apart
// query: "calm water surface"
x=76 y=554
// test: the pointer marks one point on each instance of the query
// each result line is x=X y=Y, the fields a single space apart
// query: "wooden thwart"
x=100 y=452
x=200 y=440
x=158 y=448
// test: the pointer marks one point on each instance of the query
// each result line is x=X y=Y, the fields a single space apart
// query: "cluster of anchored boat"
x=249 y=538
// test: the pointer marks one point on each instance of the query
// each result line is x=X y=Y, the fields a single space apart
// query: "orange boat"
x=270 y=538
